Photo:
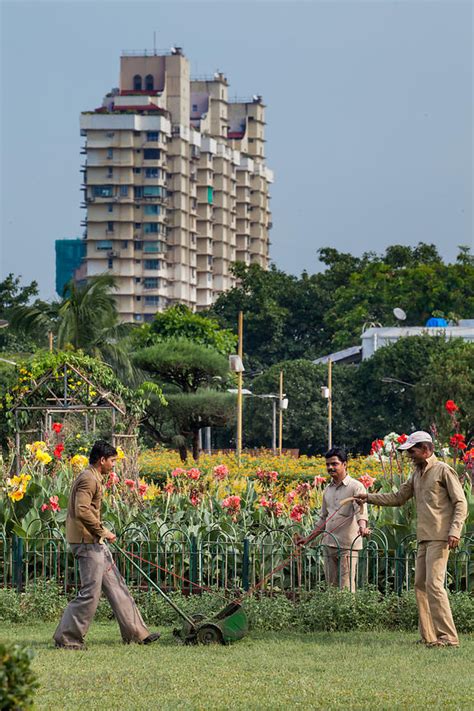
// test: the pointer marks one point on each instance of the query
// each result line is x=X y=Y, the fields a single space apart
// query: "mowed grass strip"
x=355 y=670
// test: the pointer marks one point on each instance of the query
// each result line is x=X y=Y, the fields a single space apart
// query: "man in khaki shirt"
x=342 y=538
x=98 y=572
x=441 y=511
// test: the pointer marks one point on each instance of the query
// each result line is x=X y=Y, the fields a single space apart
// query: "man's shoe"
x=153 y=637
x=74 y=647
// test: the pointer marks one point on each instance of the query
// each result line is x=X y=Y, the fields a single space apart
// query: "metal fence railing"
x=178 y=561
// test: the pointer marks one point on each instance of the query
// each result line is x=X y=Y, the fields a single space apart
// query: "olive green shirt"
x=441 y=506
x=344 y=523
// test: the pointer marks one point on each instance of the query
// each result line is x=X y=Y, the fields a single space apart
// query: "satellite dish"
x=399 y=314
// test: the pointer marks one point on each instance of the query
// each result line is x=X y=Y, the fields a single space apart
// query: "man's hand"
x=109 y=536
x=453 y=542
x=364 y=531
x=360 y=498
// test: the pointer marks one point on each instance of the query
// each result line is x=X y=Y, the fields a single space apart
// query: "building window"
x=152 y=300
x=195 y=108
x=110 y=152
x=151 y=228
x=110 y=172
x=137 y=317
x=153 y=191
x=149 y=83
x=124 y=244
x=138 y=225
x=153 y=264
x=123 y=190
x=110 y=208
x=150 y=247
x=137 y=82
x=105 y=244
x=152 y=135
x=137 y=170
x=110 y=226
x=102 y=191
x=152 y=210
x=138 y=298
x=152 y=172
x=137 y=280
x=138 y=244
x=148 y=318
x=110 y=263
x=151 y=153
x=151 y=283
x=138 y=192
x=210 y=196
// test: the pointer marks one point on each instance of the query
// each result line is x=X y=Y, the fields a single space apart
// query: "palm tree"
x=86 y=318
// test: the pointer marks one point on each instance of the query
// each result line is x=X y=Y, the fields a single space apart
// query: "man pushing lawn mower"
x=98 y=572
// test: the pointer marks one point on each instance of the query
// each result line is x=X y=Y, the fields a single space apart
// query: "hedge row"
x=322 y=610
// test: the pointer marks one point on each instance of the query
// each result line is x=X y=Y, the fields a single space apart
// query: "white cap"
x=416 y=438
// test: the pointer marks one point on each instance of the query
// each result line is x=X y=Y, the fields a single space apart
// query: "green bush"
x=17 y=681
x=322 y=610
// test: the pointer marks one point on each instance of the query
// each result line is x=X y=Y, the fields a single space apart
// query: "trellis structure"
x=54 y=396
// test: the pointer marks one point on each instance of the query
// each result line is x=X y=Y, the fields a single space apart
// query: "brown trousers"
x=340 y=567
x=98 y=573
x=435 y=617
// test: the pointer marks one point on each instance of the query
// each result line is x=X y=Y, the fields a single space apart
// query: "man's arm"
x=362 y=517
x=85 y=489
x=456 y=495
x=396 y=498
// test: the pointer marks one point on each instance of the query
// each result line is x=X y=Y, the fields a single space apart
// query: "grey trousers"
x=98 y=573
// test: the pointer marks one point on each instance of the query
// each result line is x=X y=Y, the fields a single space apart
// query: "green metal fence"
x=178 y=561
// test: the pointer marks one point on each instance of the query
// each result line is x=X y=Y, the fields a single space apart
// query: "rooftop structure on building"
x=176 y=186
x=378 y=337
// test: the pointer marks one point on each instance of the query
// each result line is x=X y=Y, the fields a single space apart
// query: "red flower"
x=59 y=449
x=457 y=441
x=130 y=483
x=267 y=477
x=57 y=427
x=113 y=480
x=193 y=474
x=53 y=501
x=291 y=496
x=44 y=507
x=468 y=458
x=451 y=406
x=402 y=439
x=303 y=490
x=318 y=480
x=178 y=472
x=297 y=512
x=366 y=480
x=221 y=472
x=195 y=497
x=169 y=488
x=377 y=446
x=142 y=489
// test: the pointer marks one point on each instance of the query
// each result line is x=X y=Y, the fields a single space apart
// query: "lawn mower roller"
x=228 y=625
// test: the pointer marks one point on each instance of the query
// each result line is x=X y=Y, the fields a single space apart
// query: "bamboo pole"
x=330 y=404
x=239 y=387
x=280 y=423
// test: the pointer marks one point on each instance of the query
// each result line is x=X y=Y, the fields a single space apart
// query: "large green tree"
x=12 y=296
x=86 y=318
x=289 y=317
x=190 y=375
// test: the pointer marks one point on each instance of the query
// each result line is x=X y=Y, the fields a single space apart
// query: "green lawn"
x=355 y=670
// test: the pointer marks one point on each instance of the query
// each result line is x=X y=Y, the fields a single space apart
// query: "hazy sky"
x=370 y=115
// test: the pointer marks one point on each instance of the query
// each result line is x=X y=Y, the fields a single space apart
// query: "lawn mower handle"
x=157 y=587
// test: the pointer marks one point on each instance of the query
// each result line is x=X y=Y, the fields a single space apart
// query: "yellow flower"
x=16 y=495
x=152 y=492
x=36 y=446
x=79 y=461
x=43 y=457
x=120 y=453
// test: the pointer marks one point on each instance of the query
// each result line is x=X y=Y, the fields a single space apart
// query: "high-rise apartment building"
x=175 y=185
